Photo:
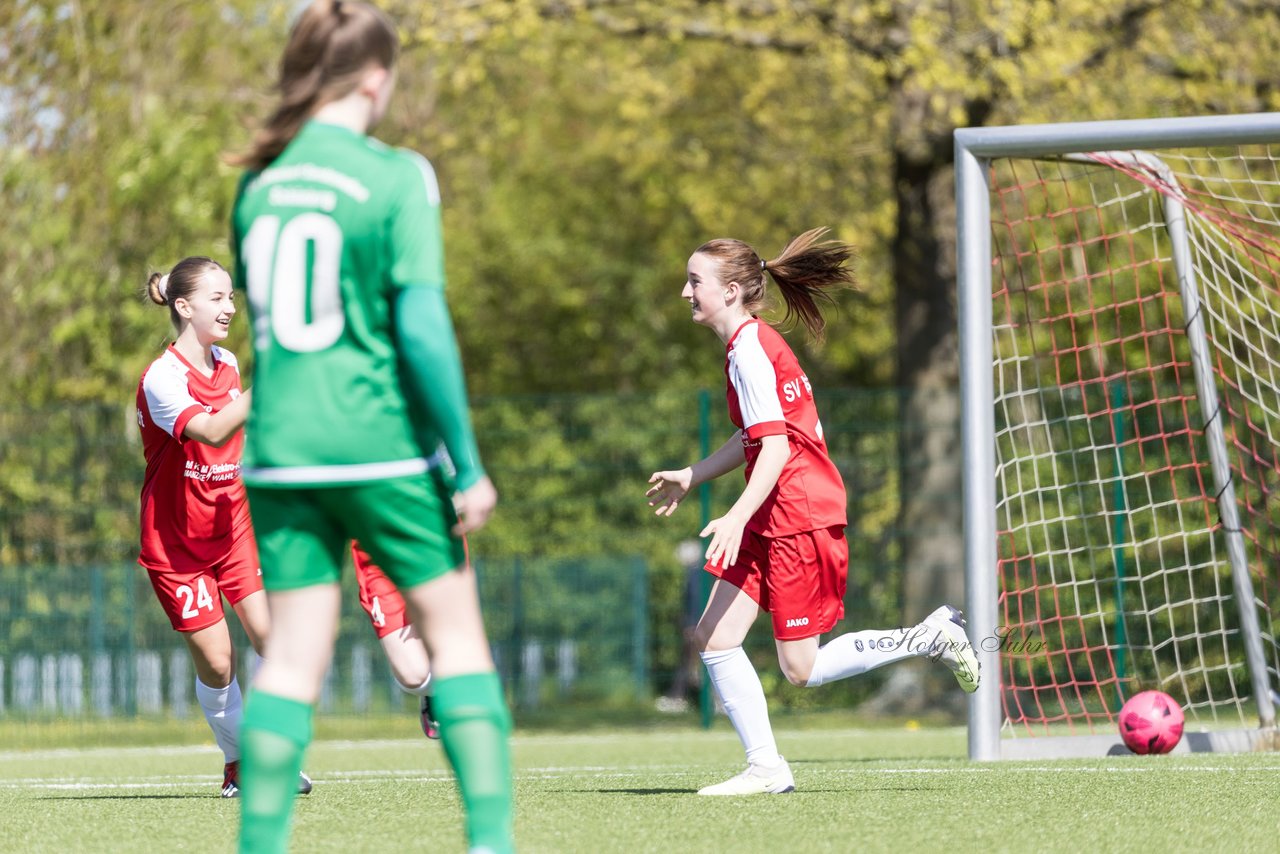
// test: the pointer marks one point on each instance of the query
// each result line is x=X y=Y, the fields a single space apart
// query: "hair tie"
x=764 y=265
x=162 y=286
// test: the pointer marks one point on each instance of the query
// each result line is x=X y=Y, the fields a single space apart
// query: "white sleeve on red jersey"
x=169 y=401
x=226 y=357
x=756 y=383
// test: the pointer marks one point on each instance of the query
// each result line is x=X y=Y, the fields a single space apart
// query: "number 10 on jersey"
x=276 y=265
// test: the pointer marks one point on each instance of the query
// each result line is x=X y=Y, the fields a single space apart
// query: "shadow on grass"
x=839 y=761
x=626 y=791
x=799 y=792
x=127 y=798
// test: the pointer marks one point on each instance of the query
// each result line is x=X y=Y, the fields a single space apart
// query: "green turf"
x=632 y=791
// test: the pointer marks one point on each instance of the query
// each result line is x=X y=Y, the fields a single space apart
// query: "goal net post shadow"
x=1119 y=310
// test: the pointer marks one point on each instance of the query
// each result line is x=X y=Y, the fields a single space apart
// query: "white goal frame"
x=974 y=150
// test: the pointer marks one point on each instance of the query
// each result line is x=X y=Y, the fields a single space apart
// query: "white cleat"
x=949 y=644
x=756 y=780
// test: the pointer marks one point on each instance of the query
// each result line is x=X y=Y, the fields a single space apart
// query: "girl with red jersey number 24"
x=197 y=539
x=781 y=547
x=198 y=544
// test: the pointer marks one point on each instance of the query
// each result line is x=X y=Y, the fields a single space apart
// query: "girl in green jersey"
x=360 y=426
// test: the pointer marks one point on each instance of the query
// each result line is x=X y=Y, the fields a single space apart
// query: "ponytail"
x=805 y=272
x=330 y=46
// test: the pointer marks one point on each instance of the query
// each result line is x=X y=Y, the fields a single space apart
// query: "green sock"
x=274 y=733
x=474 y=725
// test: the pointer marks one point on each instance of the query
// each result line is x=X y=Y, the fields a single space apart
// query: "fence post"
x=640 y=634
x=49 y=683
x=361 y=678
x=705 y=700
x=517 y=632
x=530 y=687
x=129 y=670
x=97 y=611
x=180 y=681
x=100 y=696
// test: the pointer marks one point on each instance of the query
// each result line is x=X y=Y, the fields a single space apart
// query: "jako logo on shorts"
x=802 y=621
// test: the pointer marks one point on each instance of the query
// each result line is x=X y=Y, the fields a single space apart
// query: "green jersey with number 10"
x=323 y=238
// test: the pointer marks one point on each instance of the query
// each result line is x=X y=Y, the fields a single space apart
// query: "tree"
x=919 y=70
x=584 y=148
x=115 y=116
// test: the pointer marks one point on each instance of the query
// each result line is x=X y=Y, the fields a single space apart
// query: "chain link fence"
x=588 y=597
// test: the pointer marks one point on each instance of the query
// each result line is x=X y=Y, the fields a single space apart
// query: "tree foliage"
x=584 y=147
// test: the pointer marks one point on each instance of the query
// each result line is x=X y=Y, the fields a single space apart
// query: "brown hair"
x=332 y=43
x=179 y=283
x=804 y=272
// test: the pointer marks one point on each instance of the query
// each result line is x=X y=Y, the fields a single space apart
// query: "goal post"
x=1119 y=311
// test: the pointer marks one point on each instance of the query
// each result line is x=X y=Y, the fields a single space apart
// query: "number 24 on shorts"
x=199 y=597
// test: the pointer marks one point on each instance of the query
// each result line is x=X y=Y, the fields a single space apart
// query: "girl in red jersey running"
x=781 y=547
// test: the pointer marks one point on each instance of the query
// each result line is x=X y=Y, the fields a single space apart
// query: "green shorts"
x=403 y=523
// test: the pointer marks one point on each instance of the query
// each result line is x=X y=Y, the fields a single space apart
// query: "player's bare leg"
x=407 y=655
x=212 y=654
x=796 y=658
x=304 y=627
x=255 y=618
x=725 y=621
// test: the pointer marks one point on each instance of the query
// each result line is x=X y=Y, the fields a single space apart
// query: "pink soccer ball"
x=1151 y=722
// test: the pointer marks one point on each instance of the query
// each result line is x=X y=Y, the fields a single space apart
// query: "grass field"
x=631 y=790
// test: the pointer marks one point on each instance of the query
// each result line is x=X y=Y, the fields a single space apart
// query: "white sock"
x=858 y=652
x=421 y=691
x=738 y=685
x=222 y=710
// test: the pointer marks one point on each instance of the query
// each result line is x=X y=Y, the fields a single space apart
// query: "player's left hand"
x=726 y=540
x=473 y=506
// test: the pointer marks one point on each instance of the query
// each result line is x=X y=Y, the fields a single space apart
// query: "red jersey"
x=769 y=395
x=194 y=508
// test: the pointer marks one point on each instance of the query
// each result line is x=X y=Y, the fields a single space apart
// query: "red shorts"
x=378 y=596
x=193 y=599
x=799 y=579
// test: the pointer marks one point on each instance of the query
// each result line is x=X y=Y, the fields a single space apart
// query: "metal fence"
x=584 y=591
x=563 y=630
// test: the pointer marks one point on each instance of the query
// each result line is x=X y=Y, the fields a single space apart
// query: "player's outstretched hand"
x=668 y=489
x=726 y=539
x=474 y=505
